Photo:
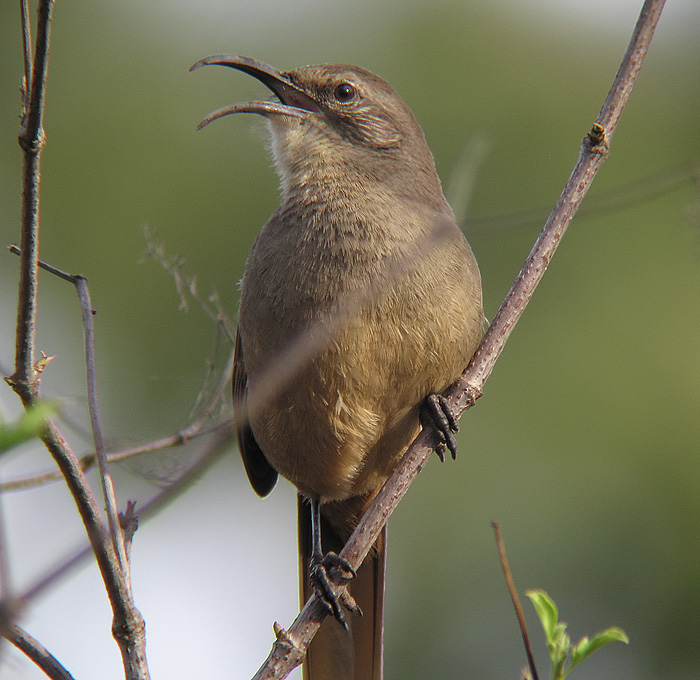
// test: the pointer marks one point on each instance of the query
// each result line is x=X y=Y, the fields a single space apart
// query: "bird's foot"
x=326 y=573
x=436 y=412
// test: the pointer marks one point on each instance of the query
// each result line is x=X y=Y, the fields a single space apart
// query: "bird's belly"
x=338 y=426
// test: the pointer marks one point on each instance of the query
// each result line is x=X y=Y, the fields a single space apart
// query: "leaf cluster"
x=565 y=657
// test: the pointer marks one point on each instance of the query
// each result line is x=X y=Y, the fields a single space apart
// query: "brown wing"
x=261 y=474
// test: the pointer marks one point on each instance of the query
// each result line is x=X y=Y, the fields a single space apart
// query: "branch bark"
x=41 y=656
x=290 y=647
x=32 y=139
x=128 y=627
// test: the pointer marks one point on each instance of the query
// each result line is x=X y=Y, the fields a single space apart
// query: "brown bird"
x=363 y=283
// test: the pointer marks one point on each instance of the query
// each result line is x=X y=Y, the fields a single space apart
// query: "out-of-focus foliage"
x=29 y=425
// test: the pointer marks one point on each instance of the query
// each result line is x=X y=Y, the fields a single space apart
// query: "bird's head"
x=332 y=117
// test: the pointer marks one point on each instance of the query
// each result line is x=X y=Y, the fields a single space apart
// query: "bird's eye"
x=344 y=92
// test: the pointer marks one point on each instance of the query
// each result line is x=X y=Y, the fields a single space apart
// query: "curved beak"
x=293 y=101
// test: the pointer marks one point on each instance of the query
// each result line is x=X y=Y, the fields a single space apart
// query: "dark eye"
x=344 y=92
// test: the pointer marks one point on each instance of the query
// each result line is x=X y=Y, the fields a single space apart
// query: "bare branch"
x=98 y=436
x=515 y=599
x=31 y=139
x=192 y=431
x=626 y=77
x=290 y=646
x=41 y=656
x=211 y=454
x=186 y=284
x=112 y=559
x=128 y=627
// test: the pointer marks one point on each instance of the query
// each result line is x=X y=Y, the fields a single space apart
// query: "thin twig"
x=636 y=192
x=16 y=250
x=87 y=461
x=187 y=284
x=290 y=646
x=505 y=565
x=27 y=51
x=213 y=451
x=31 y=139
x=33 y=649
x=194 y=429
x=211 y=454
x=98 y=436
x=121 y=571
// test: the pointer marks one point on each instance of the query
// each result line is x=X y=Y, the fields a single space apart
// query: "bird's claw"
x=326 y=574
x=437 y=412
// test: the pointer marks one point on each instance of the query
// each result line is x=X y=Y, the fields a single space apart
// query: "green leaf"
x=31 y=424
x=585 y=647
x=558 y=641
x=547 y=611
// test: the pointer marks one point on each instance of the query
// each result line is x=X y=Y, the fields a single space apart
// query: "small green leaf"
x=558 y=640
x=585 y=647
x=547 y=611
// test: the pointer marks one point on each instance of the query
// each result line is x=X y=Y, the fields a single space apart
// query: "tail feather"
x=336 y=654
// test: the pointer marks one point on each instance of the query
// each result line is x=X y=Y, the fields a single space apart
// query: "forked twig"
x=206 y=459
x=128 y=626
x=196 y=428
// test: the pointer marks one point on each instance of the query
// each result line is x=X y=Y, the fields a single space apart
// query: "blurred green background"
x=585 y=446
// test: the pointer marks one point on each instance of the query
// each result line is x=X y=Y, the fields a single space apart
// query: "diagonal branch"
x=128 y=627
x=196 y=469
x=110 y=498
x=41 y=656
x=290 y=647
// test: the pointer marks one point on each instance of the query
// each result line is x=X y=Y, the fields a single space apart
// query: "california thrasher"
x=362 y=272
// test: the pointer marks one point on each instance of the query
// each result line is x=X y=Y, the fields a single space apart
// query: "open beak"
x=293 y=101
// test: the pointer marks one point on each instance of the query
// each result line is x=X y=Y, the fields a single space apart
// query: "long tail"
x=334 y=653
